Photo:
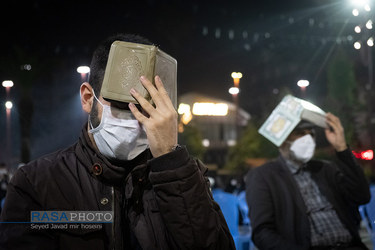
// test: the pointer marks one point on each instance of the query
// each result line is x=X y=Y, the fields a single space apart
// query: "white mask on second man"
x=303 y=148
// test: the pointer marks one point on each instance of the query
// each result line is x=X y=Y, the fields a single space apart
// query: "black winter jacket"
x=277 y=210
x=159 y=203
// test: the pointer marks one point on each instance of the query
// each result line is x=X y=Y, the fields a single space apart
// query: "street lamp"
x=206 y=143
x=370 y=42
x=8 y=107
x=236 y=78
x=303 y=84
x=84 y=71
x=357 y=45
x=234 y=91
x=7 y=84
x=369 y=24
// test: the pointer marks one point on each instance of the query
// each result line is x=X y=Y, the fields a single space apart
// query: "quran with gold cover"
x=127 y=62
x=286 y=116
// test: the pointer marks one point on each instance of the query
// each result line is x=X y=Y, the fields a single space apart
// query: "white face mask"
x=119 y=134
x=303 y=148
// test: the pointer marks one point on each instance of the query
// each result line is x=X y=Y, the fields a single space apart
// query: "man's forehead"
x=302 y=132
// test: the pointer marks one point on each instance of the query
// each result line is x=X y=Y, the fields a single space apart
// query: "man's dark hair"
x=99 y=63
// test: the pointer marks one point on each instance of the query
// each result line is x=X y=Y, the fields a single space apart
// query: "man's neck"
x=91 y=137
x=287 y=156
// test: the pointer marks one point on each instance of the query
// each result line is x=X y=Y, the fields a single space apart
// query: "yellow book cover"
x=127 y=62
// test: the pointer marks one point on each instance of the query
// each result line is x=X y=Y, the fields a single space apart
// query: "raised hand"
x=335 y=133
x=160 y=121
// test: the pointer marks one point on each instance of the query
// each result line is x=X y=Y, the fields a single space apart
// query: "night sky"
x=274 y=43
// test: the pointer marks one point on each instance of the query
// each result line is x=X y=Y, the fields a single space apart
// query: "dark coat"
x=276 y=208
x=160 y=203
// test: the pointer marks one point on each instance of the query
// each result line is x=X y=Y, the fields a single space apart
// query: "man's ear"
x=87 y=97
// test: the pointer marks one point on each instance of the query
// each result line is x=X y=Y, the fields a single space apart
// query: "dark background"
x=273 y=43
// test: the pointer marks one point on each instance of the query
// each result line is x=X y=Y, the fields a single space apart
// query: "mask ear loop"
x=92 y=127
x=97 y=98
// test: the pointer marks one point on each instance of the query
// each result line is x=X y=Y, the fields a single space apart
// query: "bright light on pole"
x=234 y=90
x=357 y=45
x=369 y=24
x=236 y=78
x=370 y=42
x=8 y=105
x=303 y=83
x=206 y=142
x=8 y=108
x=357 y=29
x=236 y=75
x=26 y=67
x=355 y=12
x=83 y=69
x=8 y=84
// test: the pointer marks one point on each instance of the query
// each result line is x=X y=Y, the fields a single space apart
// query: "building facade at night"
x=216 y=121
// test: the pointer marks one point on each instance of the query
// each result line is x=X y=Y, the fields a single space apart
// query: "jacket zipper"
x=113 y=223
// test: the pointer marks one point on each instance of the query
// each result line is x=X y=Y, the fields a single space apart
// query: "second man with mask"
x=299 y=203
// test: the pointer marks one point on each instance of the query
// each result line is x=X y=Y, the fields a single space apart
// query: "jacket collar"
x=111 y=172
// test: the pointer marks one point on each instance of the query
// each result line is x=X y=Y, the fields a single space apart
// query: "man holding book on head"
x=126 y=177
x=296 y=202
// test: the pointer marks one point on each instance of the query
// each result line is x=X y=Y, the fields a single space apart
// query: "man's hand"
x=335 y=133
x=161 y=122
